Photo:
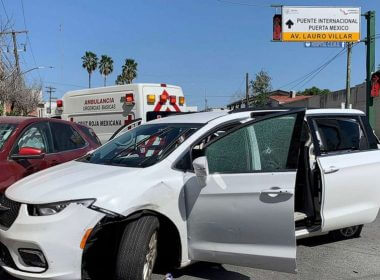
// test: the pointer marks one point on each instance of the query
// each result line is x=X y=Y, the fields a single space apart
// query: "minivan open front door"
x=244 y=212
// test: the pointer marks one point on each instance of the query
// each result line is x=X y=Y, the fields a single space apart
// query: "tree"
x=90 y=63
x=261 y=87
x=129 y=72
x=314 y=91
x=120 y=80
x=16 y=97
x=105 y=67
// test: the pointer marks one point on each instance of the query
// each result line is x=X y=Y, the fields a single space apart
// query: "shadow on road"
x=209 y=271
x=316 y=241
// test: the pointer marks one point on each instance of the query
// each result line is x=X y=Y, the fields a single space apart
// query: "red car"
x=28 y=145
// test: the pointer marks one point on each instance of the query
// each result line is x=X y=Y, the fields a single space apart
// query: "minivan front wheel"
x=138 y=250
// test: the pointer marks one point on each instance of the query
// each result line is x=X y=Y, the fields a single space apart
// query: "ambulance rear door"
x=162 y=100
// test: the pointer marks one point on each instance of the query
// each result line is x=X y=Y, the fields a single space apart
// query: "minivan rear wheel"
x=347 y=233
x=138 y=250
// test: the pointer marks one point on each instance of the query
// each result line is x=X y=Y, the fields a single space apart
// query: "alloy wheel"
x=150 y=257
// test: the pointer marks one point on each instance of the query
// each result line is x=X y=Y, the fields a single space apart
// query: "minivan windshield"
x=142 y=146
x=5 y=131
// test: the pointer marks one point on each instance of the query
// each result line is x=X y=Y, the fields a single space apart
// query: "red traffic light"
x=375 y=90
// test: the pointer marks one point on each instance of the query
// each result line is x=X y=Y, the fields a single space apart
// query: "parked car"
x=28 y=145
x=233 y=187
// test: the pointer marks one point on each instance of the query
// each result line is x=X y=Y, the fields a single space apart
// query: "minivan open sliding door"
x=349 y=161
x=244 y=213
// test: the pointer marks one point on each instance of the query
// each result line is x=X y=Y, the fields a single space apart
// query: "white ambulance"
x=109 y=109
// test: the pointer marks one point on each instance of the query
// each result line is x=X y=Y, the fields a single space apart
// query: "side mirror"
x=201 y=169
x=29 y=153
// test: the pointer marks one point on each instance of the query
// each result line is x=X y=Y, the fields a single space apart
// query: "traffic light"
x=277 y=27
x=375 y=79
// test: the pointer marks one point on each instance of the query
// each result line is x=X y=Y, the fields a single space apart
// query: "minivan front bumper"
x=55 y=239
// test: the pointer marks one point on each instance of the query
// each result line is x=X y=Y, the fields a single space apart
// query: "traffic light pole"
x=370 y=63
x=348 y=80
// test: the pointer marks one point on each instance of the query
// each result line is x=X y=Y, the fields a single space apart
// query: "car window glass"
x=263 y=146
x=90 y=133
x=373 y=141
x=230 y=154
x=5 y=131
x=65 y=137
x=273 y=142
x=35 y=136
x=142 y=146
x=340 y=134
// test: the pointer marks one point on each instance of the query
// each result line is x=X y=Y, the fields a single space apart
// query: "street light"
x=35 y=68
x=27 y=71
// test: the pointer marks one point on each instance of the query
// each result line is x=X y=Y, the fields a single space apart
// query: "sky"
x=204 y=46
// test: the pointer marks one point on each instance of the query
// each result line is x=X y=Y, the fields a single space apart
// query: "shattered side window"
x=260 y=147
x=273 y=140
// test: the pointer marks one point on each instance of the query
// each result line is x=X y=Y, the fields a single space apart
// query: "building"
x=335 y=99
x=279 y=98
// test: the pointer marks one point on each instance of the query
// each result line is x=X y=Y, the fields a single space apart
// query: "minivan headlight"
x=55 y=208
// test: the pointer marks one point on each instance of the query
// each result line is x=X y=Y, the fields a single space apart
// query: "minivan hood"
x=72 y=180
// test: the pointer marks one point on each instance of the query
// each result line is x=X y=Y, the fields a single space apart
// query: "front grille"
x=8 y=211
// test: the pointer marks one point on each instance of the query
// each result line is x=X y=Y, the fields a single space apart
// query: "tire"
x=137 y=250
x=346 y=233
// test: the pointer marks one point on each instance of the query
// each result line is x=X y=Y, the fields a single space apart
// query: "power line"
x=313 y=74
x=243 y=4
x=326 y=64
x=306 y=76
x=28 y=40
x=5 y=10
x=65 y=84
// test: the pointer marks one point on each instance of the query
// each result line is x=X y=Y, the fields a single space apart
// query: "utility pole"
x=246 y=91
x=50 y=90
x=15 y=50
x=348 y=80
x=206 y=102
x=370 y=63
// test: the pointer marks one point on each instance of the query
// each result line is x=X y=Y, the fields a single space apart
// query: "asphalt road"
x=317 y=258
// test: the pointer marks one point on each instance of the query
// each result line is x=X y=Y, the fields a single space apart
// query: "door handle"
x=276 y=191
x=331 y=169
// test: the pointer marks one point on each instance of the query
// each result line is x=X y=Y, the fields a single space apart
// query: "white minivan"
x=234 y=187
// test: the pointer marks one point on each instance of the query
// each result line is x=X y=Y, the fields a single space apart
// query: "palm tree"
x=120 y=80
x=89 y=62
x=129 y=70
x=105 y=67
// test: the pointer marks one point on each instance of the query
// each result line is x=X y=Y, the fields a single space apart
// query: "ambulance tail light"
x=59 y=103
x=181 y=100
x=151 y=98
x=163 y=98
x=129 y=98
x=173 y=99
